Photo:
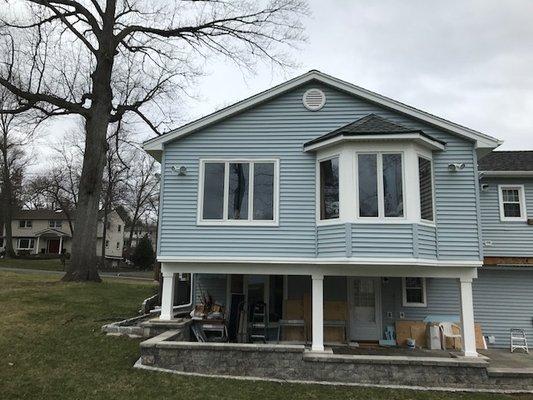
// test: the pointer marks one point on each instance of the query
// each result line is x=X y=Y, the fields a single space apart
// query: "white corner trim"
x=482 y=140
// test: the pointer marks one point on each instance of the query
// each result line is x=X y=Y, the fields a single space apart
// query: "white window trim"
x=319 y=219
x=422 y=220
x=31 y=242
x=522 y=200
x=26 y=224
x=230 y=222
x=424 y=294
x=381 y=199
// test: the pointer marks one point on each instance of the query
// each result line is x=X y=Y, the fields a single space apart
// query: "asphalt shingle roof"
x=370 y=124
x=507 y=161
x=39 y=214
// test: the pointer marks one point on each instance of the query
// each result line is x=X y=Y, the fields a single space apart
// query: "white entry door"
x=365 y=308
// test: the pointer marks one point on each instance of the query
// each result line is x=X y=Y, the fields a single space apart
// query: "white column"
x=60 y=244
x=37 y=247
x=467 y=317
x=167 y=296
x=318 y=312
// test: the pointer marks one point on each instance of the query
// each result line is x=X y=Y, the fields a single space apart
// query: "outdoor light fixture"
x=456 y=167
x=485 y=187
x=181 y=170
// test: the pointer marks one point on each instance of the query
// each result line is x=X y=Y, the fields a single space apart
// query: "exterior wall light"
x=181 y=170
x=456 y=167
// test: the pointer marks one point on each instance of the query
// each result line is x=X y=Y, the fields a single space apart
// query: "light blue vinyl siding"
x=383 y=240
x=278 y=129
x=210 y=284
x=427 y=241
x=509 y=239
x=331 y=240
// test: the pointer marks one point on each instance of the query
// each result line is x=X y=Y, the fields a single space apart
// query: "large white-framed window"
x=426 y=189
x=25 y=244
x=512 y=203
x=414 y=292
x=328 y=188
x=380 y=185
x=238 y=192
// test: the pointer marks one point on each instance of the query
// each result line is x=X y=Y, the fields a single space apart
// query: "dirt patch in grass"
x=51 y=347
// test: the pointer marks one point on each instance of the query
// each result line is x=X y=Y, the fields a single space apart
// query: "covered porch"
x=324 y=305
x=50 y=241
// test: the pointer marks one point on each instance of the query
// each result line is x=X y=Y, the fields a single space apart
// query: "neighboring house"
x=141 y=231
x=48 y=231
x=323 y=193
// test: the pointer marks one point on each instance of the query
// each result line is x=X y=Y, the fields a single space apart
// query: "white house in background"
x=140 y=231
x=48 y=232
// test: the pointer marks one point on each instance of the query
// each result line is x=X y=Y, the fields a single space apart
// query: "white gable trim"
x=155 y=146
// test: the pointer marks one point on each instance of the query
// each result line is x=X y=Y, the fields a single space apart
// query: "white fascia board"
x=416 y=137
x=505 y=174
x=482 y=140
x=324 y=261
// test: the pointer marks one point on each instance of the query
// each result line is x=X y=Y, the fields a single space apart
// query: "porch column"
x=37 y=247
x=318 y=312
x=467 y=317
x=167 y=296
x=60 y=244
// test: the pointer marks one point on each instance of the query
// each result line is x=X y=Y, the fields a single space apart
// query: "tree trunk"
x=7 y=201
x=84 y=259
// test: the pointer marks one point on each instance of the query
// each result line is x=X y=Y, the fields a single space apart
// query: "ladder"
x=518 y=340
x=257 y=329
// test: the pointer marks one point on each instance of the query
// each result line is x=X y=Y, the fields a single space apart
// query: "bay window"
x=425 y=179
x=380 y=185
x=238 y=191
x=329 y=188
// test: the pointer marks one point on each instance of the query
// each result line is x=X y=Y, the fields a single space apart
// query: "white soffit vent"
x=314 y=99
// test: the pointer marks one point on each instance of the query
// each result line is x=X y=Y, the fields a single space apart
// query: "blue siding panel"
x=331 y=240
x=427 y=238
x=279 y=128
x=383 y=240
x=509 y=239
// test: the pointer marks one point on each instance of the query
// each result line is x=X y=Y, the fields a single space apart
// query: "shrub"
x=143 y=256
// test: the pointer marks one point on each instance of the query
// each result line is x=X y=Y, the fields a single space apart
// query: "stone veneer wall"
x=294 y=363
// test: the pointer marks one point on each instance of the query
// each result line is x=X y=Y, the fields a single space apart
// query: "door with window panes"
x=365 y=308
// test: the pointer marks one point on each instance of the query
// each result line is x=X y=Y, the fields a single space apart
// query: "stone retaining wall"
x=294 y=363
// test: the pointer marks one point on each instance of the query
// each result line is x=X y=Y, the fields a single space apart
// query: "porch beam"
x=318 y=312
x=167 y=296
x=467 y=318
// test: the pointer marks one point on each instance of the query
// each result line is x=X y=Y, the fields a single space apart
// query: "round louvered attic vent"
x=314 y=99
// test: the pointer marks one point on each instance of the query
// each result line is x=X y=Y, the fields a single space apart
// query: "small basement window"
x=512 y=203
x=414 y=292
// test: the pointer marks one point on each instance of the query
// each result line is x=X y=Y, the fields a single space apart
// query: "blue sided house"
x=334 y=214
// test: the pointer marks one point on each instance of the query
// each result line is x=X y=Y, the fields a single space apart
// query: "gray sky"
x=470 y=61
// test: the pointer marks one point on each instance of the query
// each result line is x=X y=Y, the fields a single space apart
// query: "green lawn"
x=48 y=265
x=51 y=348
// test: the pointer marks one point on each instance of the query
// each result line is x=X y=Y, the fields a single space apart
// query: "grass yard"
x=51 y=348
x=48 y=265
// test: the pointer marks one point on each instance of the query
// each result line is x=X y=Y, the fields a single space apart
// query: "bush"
x=143 y=256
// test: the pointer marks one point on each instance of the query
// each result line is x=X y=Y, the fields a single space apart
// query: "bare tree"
x=14 y=135
x=109 y=59
x=143 y=192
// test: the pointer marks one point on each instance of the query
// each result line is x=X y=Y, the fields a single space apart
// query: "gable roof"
x=155 y=146
x=39 y=214
x=507 y=163
x=370 y=124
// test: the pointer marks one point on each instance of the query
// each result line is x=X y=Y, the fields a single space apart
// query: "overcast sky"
x=468 y=61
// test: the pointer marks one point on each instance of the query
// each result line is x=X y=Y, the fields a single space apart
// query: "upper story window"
x=380 y=185
x=25 y=224
x=512 y=203
x=425 y=179
x=238 y=192
x=55 y=224
x=119 y=228
x=329 y=188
